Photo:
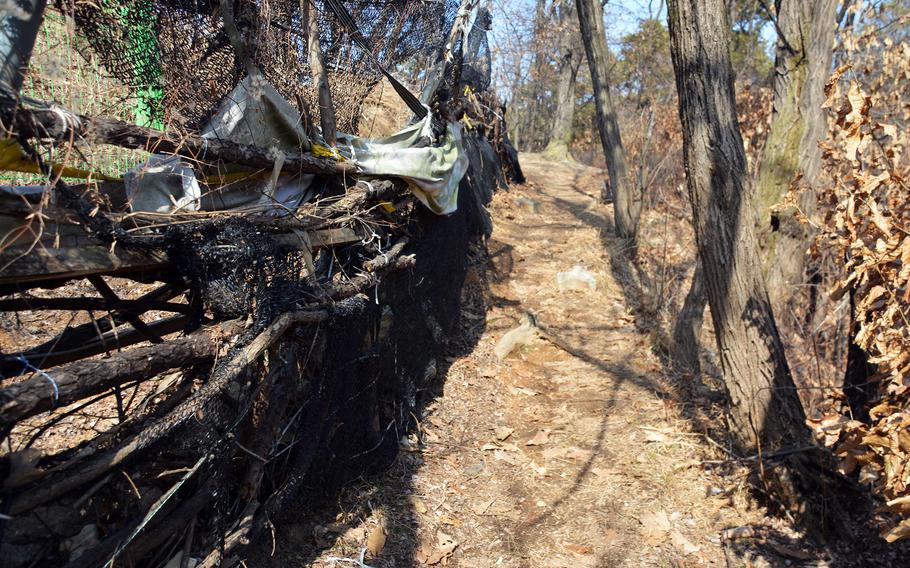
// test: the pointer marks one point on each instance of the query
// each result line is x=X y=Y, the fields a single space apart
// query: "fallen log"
x=73 y=382
x=21 y=266
x=73 y=337
x=61 y=125
x=87 y=303
x=110 y=341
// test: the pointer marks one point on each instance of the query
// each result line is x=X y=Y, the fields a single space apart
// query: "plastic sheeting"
x=254 y=113
x=433 y=172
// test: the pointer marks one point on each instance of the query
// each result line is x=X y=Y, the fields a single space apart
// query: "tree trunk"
x=802 y=66
x=561 y=132
x=627 y=200
x=765 y=411
x=533 y=134
x=688 y=324
x=319 y=74
x=17 y=40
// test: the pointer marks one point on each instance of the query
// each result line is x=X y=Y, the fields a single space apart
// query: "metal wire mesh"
x=63 y=69
x=176 y=56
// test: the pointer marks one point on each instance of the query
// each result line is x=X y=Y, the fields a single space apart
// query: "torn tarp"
x=254 y=113
x=433 y=172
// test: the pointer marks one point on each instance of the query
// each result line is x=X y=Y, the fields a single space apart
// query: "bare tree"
x=627 y=199
x=567 y=71
x=805 y=46
x=766 y=415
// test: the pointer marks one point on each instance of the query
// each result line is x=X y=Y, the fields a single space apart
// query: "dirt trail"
x=617 y=480
x=558 y=456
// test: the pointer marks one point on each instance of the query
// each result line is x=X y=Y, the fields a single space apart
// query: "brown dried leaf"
x=579 y=549
x=540 y=438
x=683 y=544
x=655 y=525
x=831 y=85
x=376 y=540
x=434 y=553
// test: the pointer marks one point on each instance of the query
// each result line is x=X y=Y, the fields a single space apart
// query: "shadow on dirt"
x=367 y=458
x=863 y=547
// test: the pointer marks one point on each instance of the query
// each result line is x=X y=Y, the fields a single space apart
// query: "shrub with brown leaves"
x=867 y=223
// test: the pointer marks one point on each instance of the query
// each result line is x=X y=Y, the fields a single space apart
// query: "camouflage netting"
x=177 y=56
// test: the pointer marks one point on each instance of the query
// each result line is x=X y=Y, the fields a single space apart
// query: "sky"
x=621 y=17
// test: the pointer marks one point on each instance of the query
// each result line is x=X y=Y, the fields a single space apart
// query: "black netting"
x=237 y=270
x=477 y=69
x=177 y=56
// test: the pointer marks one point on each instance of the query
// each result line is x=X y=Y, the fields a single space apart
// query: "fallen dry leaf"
x=376 y=540
x=417 y=504
x=431 y=554
x=655 y=526
x=540 y=438
x=653 y=435
x=682 y=543
x=577 y=548
x=354 y=536
x=481 y=507
x=447 y=520
x=503 y=432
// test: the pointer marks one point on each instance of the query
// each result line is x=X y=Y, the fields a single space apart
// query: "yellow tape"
x=388 y=206
x=14 y=159
x=321 y=151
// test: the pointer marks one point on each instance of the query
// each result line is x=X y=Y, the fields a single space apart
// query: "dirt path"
x=558 y=456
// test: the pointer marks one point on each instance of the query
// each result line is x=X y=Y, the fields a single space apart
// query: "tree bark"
x=626 y=199
x=48 y=123
x=82 y=379
x=802 y=66
x=567 y=71
x=688 y=324
x=319 y=74
x=765 y=411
